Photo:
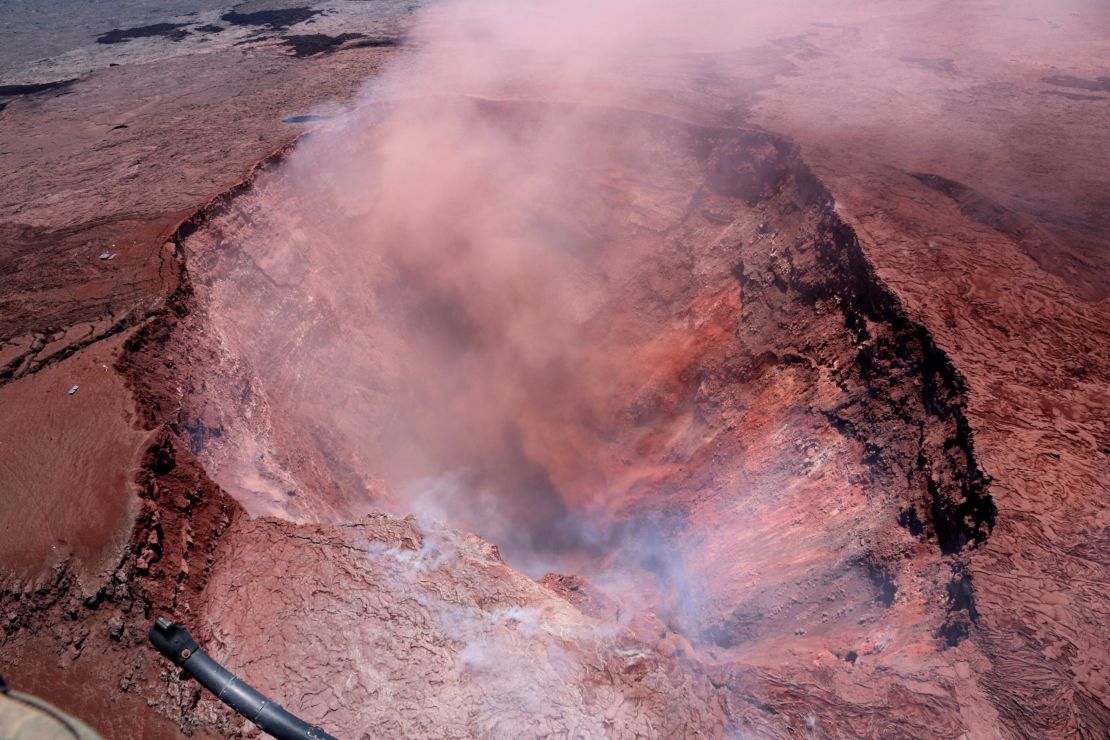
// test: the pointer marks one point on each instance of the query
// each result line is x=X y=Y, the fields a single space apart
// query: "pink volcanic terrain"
x=662 y=381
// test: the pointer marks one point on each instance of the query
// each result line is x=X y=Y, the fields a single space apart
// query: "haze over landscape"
x=593 y=369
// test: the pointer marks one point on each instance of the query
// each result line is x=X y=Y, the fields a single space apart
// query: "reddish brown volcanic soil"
x=739 y=417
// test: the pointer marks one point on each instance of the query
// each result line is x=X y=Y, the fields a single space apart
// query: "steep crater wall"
x=812 y=300
x=768 y=459
x=709 y=351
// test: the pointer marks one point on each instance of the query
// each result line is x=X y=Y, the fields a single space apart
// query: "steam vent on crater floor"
x=600 y=368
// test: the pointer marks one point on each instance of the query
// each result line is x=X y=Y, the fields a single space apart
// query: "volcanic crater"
x=579 y=370
x=658 y=361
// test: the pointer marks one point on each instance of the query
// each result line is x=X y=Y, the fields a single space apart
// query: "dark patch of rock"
x=32 y=88
x=312 y=44
x=1101 y=84
x=279 y=19
x=1072 y=96
x=376 y=43
x=171 y=31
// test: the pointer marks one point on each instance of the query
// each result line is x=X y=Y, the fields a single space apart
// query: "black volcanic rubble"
x=171 y=31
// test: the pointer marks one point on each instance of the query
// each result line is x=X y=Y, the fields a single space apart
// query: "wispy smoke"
x=491 y=257
x=483 y=301
x=476 y=296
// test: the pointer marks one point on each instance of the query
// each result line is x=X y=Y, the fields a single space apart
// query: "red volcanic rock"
x=786 y=386
x=756 y=393
x=386 y=627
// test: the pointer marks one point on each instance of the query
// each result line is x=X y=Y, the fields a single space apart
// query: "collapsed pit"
x=612 y=343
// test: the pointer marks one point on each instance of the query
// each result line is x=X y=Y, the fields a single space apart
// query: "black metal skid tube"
x=174 y=641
